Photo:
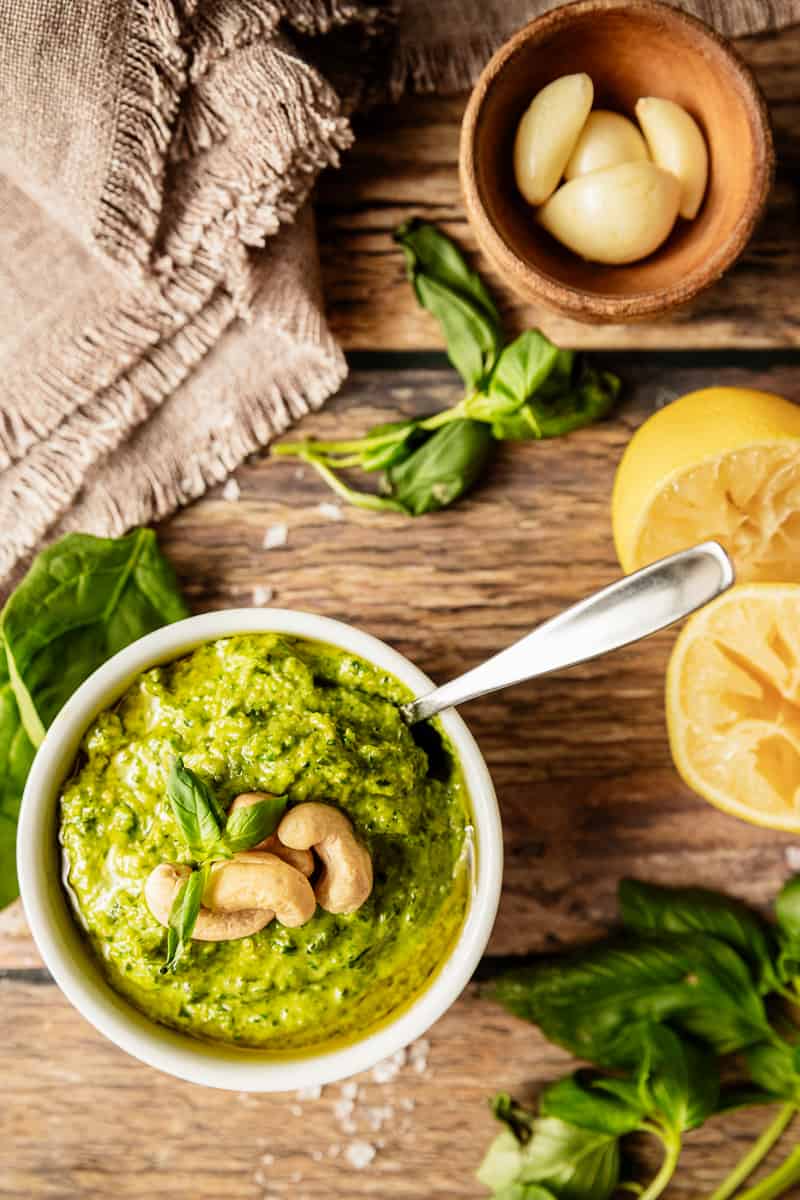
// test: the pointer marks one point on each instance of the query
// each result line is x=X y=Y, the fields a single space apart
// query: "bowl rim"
x=69 y=958
x=608 y=306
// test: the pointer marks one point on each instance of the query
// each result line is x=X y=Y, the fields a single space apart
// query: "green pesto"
x=263 y=712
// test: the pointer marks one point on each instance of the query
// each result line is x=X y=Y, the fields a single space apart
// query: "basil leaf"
x=787 y=910
x=442 y=469
x=16 y=756
x=195 y=809
x=578 y=1100
x=647 y=907
x=772 y=1066
x=561 y=412
x=515 y=1116
x=407 y=437
x=521 y=370
x=456 y=296
x=183 y=916
x=246 y=827
x=680 y=1080
x=83 y=599
x=567 y=1162
x=592 y=1002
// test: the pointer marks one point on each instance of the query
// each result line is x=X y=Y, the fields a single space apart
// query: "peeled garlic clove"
x=606 y=139
x=677 y=145
x=616 y=215
x=547 y=134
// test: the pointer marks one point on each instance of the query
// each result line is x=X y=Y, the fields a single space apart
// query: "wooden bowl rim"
x=608 y=306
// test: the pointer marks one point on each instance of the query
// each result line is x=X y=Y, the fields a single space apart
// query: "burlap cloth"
x=160 y=307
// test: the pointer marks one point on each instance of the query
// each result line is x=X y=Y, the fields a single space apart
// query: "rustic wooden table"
x=581 y=763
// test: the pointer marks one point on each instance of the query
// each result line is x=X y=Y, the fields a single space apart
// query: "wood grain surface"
x=583 y=774
x=405 y=163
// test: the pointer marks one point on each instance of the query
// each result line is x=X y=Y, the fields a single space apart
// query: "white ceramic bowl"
x=68 y=956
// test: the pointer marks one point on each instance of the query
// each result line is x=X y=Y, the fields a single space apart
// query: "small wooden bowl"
x=629 y=48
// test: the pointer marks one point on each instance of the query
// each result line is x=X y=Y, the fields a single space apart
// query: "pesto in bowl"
x=271 y=713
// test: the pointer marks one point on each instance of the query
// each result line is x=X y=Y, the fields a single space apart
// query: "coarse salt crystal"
x=387 y=1070
x=309 y=1093
x=316 y=1155
x=793 y=858
x=407 y=1104
x=350 y=1090
x=343 y=1108
x=262 y=595
x=360 y=1154
x=331 y=512
x=276 y=535
x=295 y=1110
x=349 y=1127
x=268 y=1159
x=231 y=491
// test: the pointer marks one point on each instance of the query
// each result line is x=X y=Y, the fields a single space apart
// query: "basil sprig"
x=655 y=1009
x=526 y=390
x=210 y=836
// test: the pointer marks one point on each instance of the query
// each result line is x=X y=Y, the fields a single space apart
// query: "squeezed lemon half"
x=719 y=463
x=733 y=704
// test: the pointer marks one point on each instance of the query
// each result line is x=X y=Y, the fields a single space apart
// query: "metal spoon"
x=630 y=609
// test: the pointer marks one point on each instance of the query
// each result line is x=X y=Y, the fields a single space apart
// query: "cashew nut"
x=162 y=887
x=301 y=860
x=346 y=879
x=259 y=880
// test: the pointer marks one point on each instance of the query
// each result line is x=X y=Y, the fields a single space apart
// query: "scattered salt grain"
x=331 y=512
x=419 y=1055
x=268 y=1159
x=407 y=1104
x=378 y=1115
x=316 y=1155
x=334 y=1151
x=343 y=1109
x=309 y=1093
x=388 y=1069
x=262 y=595
x=260 y=1178
x=300 y=473
x=350 y=1090
x=231 y=491
x=295 y=1176
x=295 y=1110
x=359 y=1154
x=349 y=1128
x=276 y=535
x=793 y=858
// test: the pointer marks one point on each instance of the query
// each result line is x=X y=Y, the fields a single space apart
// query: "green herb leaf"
x=582 y=1101
x=521 y=369
x=512 y=1114
x=246 y=827
x=407 y=436
x=183 y=916
x=571 y=1163
x=772 y=1066
x=677 y=1078
x=442 y=469
x=456 y=296
x=787 y=909
x=196 y=810
x=592 y=1002
x=16 y=757
x=647 y=907
x=83 y=599
x=554 y=415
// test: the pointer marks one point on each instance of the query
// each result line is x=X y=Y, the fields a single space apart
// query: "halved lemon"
x=733 y=703
x=720 y=463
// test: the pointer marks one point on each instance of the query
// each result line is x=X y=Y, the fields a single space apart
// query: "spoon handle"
x=630 y=609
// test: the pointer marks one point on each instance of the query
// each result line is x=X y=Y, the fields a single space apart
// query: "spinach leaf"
x=581 y=1100
x=677 y=1078
x=442 y=469
x=521 y=370
x=196 y=810
x=648 y=907
x=183 y=916
x=592 y=1002
x=456 y=296
x=16 y=756
x=83 y=599
x=246 y=827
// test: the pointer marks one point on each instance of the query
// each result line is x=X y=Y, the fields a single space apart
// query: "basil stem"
x=757 y=1152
